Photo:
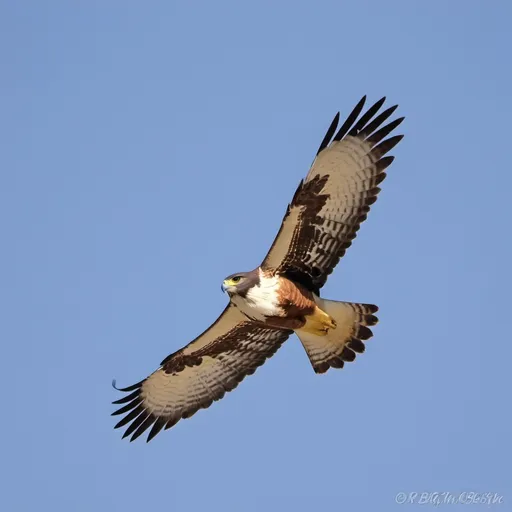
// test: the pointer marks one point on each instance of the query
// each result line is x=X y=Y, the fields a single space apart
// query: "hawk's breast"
x=261 y=300
x=276 y=297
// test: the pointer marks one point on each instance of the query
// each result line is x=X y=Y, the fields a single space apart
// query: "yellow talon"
x=318 y=323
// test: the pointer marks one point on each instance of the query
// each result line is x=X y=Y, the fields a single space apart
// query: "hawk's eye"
x=236 y=279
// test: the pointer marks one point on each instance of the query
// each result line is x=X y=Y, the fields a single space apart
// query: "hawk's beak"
x=227 y=288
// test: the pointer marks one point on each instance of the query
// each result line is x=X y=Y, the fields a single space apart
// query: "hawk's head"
x=240 y=283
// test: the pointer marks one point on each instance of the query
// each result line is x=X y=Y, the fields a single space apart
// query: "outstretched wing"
x=330 y=204
x=198 y=374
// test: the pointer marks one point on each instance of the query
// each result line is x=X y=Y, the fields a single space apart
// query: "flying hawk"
x=282 y=295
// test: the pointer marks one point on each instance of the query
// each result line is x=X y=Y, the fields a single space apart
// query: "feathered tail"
x=340 y=344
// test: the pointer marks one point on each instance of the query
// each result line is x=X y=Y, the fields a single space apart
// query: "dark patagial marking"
x=299 y=265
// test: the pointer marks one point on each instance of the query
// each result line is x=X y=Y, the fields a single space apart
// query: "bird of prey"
x=282 y=295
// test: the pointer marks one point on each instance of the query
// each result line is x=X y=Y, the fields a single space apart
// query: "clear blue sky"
x=149 y=149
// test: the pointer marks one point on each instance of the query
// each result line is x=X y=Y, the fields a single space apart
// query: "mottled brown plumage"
x=282 y=295
x=331 y=203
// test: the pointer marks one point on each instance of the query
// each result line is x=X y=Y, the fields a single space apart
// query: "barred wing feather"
x=199 y=374
x=335 y=197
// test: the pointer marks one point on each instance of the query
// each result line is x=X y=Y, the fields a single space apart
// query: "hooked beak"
x=226 y=288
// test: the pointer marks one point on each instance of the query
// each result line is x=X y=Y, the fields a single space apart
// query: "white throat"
x=261 y=300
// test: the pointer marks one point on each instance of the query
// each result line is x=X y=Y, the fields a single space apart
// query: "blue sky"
x=150 y=149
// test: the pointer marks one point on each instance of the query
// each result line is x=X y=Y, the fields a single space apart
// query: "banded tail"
x=339 y=344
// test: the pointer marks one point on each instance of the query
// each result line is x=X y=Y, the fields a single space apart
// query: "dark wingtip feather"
x=134 y=414
x=384 y=162
x=330 y=133
x=157 y=427
x=386 y=146
x=170 y=423
x=371 y=127
x=384 y=131
x=127 y=398
x=128 y=407
x=143 y=427
x=129 y=388
x=366 y=117
x=351 y=119
x=136 y=423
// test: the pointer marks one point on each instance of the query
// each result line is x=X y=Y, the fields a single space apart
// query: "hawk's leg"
x=318 y=323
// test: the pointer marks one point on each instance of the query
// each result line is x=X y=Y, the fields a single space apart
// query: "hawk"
x=282 y=295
